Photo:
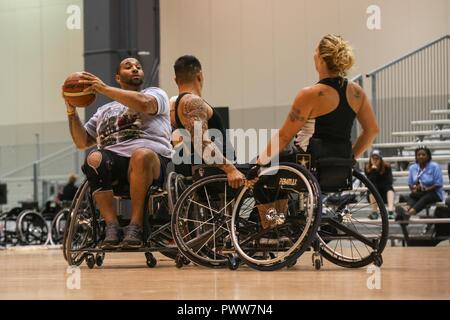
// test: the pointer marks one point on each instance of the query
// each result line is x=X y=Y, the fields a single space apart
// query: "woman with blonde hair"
x=328 y=108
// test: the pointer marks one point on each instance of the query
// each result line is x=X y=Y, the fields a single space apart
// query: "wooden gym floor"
x=407 y=273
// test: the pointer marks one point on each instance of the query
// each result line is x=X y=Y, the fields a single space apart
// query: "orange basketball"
x=73 y=91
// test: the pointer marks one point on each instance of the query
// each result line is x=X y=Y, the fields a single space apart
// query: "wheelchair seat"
x=331 y=162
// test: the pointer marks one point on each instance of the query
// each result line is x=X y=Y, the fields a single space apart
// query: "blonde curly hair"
x=337 y=54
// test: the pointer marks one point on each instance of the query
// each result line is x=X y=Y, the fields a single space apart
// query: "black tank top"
x=336 y=126
x=215 y=122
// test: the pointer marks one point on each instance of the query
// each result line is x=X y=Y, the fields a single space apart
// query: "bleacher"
x=437 y=139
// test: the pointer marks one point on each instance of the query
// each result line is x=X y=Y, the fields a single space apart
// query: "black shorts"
x=120 y=164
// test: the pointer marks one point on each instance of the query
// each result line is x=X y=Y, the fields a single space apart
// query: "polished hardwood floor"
x=407 y=273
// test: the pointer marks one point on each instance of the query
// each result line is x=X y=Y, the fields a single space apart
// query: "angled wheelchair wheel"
x=82 y=231
x=347 y=237
x=58 y=226
x=200 y=221
x=31 y=228
x=274 y=222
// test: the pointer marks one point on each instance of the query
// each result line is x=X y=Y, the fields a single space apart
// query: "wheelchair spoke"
x=196 y=221
x=213 y=235
x=209 y=203
x=201 y=205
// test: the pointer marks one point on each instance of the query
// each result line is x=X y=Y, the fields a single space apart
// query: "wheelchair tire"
x=200 y=228
x=271 y=244
x=79 y=233
x=58 y=226
x=31 y=228
x=331 y=241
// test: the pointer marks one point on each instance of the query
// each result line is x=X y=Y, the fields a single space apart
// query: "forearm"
x=134 y=100
x=431 y=189
x=276 y=144
x=79 y=135
x=363 y=143
x=211 y=154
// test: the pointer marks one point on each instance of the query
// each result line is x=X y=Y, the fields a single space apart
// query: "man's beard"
x=136 y=82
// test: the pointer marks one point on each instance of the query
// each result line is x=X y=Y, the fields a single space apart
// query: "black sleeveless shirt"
x=215 y=122
x=336 y=126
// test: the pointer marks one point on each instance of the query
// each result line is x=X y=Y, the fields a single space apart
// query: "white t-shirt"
x=122 y=130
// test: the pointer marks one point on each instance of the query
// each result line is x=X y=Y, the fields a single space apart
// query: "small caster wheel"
x=186 y=261
x=377 y=260
x=151 y=260
x=90 y=261
x=179 y=262
x=99 y=259
x=291 y=264
x=233 y=262
x=317 y=264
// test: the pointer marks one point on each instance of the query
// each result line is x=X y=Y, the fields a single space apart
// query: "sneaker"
x=112 y=238
x=391 y=215
x=133 y=237
x=373 y=216
x=400 y=214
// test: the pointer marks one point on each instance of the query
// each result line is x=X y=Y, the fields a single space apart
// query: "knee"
x=143 y=158
x=94 y=159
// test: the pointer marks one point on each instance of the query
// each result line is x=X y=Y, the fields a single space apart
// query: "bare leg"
x=390 y=199
x=144 y=168
x=373 y=203
x=105 y=203
x=103 y=199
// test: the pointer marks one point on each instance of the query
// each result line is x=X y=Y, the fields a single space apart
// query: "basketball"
x=73 y=91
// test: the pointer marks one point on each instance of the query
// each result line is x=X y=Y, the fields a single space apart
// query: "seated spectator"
x=380 y=174
x=447 y=201
x=425 y=182
x=69 y=190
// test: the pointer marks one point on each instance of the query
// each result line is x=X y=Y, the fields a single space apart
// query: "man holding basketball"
x=132 y=134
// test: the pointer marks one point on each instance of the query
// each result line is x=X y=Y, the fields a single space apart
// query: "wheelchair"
x=293 y=208
x=58 y=223
x=24 y=226
x=84 y=229
x=201 y=217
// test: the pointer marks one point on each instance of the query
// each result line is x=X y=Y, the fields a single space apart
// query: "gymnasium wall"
x=38 y=51
x=256 y=54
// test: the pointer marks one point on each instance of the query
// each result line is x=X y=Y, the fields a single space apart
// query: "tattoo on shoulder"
x=357 y=94
x=294 y=115
x=321 y=94
x=195 y=108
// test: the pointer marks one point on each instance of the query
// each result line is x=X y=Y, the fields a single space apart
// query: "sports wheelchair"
x=23 y=225
x=291 y=209
x=201 y=218
x=84 y=230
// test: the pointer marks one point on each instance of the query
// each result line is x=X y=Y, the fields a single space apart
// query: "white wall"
x=37 y=52
x=256 y=54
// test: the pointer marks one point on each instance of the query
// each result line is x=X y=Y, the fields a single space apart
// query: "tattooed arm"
x=195 y=120
x=299 y=114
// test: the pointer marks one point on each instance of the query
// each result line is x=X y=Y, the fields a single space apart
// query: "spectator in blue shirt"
x=425 y=182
